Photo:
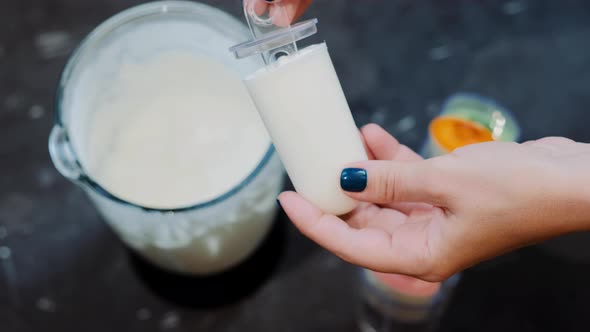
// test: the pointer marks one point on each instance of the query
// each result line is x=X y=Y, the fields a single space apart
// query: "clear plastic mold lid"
x=271 y=40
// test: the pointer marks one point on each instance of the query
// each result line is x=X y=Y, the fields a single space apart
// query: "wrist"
x=574 y=189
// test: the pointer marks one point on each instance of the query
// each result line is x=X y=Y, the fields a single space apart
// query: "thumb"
x=384 y=182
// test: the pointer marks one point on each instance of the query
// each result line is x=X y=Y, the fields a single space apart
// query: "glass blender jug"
x=203 y=238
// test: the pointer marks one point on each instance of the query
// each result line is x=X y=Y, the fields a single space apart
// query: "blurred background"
x=62 y=268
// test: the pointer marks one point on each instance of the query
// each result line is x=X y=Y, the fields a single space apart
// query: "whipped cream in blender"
x=176 y=130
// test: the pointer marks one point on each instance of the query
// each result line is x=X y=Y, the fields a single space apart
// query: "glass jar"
x=203 y=239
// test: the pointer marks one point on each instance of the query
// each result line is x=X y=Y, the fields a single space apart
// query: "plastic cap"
x=276 y=39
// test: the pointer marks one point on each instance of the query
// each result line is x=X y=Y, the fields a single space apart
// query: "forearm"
x=580 y=192
x=573 y=190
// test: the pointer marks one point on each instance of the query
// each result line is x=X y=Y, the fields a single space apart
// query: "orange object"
x=451 y=133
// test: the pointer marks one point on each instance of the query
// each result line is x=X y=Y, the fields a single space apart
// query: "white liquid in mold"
x=302 y=104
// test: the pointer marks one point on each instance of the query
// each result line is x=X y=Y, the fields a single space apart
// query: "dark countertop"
x=62 y=269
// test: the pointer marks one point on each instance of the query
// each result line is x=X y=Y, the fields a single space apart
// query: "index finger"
x=385 y=147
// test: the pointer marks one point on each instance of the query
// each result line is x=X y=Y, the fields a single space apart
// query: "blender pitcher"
x=209 y=236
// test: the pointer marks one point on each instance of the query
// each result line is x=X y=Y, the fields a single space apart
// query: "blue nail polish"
x=353 y=180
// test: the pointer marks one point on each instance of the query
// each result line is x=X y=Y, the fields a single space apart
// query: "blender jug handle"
x=62 y=154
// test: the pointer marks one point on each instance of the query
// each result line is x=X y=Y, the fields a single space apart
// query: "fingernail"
x=353 y=180
x=279 y=204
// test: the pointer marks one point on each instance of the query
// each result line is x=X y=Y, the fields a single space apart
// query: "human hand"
x=475 y=203
x=290 y=11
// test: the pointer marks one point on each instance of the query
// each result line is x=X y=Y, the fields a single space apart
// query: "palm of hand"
x=390 y=237
x=407 y=231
